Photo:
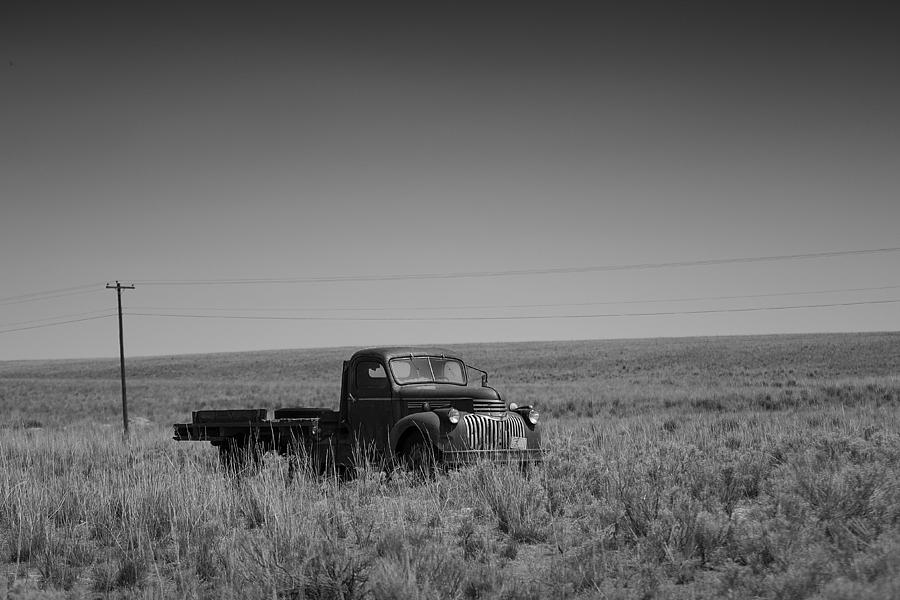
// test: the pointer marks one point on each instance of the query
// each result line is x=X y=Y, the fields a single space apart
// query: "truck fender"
x=426 y=424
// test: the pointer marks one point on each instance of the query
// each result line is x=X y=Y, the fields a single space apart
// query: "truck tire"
x=238 y=457
x=419 y=457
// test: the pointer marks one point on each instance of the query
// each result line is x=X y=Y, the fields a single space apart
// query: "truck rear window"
x=428 y=369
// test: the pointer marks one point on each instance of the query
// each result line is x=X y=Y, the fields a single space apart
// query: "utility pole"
x=119 y=287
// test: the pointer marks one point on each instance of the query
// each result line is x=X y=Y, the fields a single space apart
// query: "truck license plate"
x=518 y=443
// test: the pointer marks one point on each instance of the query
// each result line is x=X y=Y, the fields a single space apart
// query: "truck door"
x=369 y=406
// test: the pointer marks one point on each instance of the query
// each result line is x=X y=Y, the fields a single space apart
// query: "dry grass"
x=742 y=467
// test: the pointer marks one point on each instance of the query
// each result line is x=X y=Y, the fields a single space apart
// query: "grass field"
x=681 y=468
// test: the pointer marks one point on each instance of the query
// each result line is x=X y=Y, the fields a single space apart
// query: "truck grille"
x=493 y=433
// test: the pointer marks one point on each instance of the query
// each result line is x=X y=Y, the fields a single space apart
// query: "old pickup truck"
x=411 y=407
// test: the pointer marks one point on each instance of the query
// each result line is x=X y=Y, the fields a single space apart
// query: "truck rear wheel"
x=237 y=456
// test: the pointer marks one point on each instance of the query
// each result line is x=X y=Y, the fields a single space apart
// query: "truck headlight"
x=533 y=416
x=453 y=416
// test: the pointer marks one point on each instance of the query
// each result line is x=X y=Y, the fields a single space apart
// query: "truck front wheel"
x=418 y=456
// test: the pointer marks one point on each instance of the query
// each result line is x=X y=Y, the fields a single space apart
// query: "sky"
x=271 y=177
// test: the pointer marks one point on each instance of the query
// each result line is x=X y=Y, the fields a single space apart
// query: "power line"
x=517 y=272
x=53 y=318
x=67 y=291
x=55 y=324
x=49 y=297
x=472 y=318
x=520 y=317
x=512 y=306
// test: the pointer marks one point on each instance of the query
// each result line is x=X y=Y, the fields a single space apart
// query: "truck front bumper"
x=516 y=457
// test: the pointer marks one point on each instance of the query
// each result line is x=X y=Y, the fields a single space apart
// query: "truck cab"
x=395 y=398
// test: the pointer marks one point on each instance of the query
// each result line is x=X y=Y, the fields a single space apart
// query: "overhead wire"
x=96 y=287
x=514 y=272
x=35 y=297
x=53 y=291
x=516 y=317
x=53 y=318
x=56 y=324
x=510 y=306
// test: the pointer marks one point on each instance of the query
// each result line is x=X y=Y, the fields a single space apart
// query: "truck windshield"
x=428 y=369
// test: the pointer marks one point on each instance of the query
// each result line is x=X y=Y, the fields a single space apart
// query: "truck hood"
x=437 y=391
x=481 y=400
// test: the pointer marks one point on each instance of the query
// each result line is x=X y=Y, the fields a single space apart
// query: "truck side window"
x=371 y=380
